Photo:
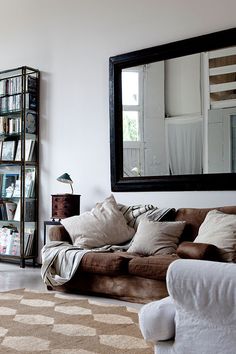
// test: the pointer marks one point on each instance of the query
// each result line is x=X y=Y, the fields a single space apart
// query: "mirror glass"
x=179 y=115
x=173 y=115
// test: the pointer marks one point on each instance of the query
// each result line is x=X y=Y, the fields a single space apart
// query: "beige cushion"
x=156 y=237
x=219 y=229
x=103 y=225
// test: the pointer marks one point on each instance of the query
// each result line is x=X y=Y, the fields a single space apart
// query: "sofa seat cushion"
x=151 y=267
x=105 y=263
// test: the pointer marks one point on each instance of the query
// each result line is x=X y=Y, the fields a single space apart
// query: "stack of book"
x=10 y=242
x=10 y=125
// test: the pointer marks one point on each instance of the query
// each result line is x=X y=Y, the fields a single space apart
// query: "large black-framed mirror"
x=170 y=101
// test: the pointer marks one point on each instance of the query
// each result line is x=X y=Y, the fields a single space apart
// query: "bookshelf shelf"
x=19 y=162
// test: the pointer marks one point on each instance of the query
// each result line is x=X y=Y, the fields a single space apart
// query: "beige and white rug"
x=55 y=323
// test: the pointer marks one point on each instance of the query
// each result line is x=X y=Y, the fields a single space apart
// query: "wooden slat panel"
x=223 y=103
x=223 y=70
x=223 y=87
x=222 y=52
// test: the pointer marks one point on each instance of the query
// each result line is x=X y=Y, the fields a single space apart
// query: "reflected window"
x=130 y=88
x=132 y=82
x=131 y=126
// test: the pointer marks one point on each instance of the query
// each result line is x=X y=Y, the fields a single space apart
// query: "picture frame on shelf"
x=8 y=150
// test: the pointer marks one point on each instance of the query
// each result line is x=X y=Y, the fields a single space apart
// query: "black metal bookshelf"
x=19 y=164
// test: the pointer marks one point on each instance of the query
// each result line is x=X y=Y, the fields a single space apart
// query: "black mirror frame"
x=223 y=181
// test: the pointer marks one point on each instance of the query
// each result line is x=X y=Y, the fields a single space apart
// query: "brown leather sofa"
x=133 y=277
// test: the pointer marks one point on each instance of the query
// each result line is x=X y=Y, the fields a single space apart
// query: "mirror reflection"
x=179 y=115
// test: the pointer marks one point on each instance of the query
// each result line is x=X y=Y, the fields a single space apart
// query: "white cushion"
x=219 y=229
x=156 y=320
x=156 y=237
x=103 y=225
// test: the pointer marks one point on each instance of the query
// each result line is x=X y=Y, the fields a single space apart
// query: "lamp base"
x=65 y=205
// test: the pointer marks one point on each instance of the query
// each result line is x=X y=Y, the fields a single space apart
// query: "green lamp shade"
x=65 y=178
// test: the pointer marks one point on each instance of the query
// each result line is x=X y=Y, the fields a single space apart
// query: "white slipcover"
x=204 y=294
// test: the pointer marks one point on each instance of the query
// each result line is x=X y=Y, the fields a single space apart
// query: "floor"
x=13 y=277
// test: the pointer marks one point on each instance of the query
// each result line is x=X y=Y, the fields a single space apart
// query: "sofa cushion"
x=103 y=225
x=219 y=229
x=156 y=237
x=152 y=267
x=194 y=217
x=105 y=263
x=202 y=251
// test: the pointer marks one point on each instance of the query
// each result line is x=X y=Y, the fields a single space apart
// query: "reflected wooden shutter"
x=222 y=78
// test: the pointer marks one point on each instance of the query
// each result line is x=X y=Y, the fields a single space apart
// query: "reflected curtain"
x=184 y=144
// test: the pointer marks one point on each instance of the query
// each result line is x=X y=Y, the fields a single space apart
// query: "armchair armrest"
x=156 y=320
x=59 y=233
x=205 y=289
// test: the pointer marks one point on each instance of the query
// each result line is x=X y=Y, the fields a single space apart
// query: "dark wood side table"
x=47 y=223
x=65 y=205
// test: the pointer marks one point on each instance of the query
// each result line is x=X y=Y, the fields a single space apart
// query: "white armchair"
x=199 y=316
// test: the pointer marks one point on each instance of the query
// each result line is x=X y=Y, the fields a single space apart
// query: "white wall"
x=70 y=41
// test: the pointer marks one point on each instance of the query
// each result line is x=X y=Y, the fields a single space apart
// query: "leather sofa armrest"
x=59 y=233
x=201 y=251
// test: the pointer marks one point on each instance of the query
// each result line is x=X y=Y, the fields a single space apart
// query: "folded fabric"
x=134 y=213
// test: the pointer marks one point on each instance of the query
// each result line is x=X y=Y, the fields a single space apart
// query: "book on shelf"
x=3 y=125
x=29 y=243
x=5 y=238
x=30 y=183
x=29 y=150
x=13 y=103
x=3 y=87
x=10 y=209
x=13 y=247
x=17 y=189
x=30 y=123
x=14 y=125
x=7 y=210
x=8 y=182
x=13 y=85
x=8 y=150
x=10 y=125
x=10 y=242
x=30 y=211
x=32 y=84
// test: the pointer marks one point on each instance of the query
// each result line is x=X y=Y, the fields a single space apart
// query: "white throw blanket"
x=60 y=261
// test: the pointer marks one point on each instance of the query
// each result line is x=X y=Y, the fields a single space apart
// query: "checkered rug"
x=56 y=323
